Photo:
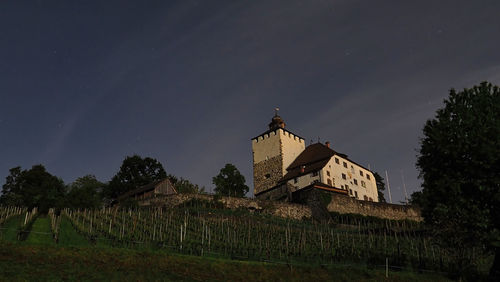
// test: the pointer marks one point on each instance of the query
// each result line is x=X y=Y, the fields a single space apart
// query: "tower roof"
x=276 y=121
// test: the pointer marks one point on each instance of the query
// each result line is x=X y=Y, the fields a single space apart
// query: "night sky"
x=83 y=84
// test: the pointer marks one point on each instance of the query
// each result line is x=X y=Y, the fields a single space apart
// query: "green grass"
x=68 y=235
x=9 y=231
x=40 y=232
x=42 y=262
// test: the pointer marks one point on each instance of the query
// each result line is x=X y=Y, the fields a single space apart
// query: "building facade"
x=283 y=165
x=273 y=151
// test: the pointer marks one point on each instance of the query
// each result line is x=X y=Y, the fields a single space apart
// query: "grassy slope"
x=9 y=233
x=41 y=262
x=40 y=232
x=68 y=235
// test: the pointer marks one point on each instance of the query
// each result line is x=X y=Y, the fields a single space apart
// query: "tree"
x=11 y=190
x=85 y=192
x=230 y=182
x=380 y=187
x=33 y=188
x=184 y=186
x=459 y=163
x=134 y=172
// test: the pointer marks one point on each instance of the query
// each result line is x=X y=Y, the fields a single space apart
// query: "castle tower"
x=273 y=151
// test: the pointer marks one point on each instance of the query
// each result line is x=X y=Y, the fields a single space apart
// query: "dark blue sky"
x=83 y=84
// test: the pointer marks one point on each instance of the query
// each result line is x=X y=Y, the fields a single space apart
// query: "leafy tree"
x=184 y=186
x=134 y=172
x=85 y=192
x=380 y=187
x=230 y=182
x=459 y=162
x=11 y=190
x=33 y=188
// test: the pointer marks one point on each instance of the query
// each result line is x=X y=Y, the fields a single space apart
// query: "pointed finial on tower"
x=276 y=110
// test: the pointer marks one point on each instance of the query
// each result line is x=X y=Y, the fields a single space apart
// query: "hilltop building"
x=150 y=191
x=283 y=165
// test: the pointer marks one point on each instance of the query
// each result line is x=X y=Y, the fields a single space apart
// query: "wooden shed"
x=159 y=188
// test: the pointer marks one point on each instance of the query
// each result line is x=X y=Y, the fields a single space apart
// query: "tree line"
x=36 y=187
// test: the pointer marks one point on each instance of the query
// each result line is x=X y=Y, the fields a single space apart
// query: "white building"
x=283 y=165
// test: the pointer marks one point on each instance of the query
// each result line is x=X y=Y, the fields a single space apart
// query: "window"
x=314 y=174
x=356 y=194
x=337 y=161
x=295 y=180
x=363 y=184
x=327 y=173
x=361 y=172
x=368 y=176
x=329 y=182
x=345 y=164
x=342 y=186
x=370 y=199
x=344 y=176
x=346 y=186
x=350 y=192
x=355 y=182
x=268 y=176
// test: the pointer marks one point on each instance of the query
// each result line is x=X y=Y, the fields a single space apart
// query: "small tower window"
x=268 y=176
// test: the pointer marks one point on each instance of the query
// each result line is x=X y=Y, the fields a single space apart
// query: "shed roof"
x=146 y=188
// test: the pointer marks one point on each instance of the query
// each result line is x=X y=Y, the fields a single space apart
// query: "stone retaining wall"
x=345 y=204
x=339 y=203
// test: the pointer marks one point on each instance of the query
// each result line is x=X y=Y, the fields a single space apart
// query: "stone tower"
x=273 y=151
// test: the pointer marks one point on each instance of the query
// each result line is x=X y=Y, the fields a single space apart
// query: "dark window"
x=368 y=176
x=344 y=176
x=363 y=184
x=355 y=182
x=345 y=164
x=356 y=194
x=329 y=182
x=268 y=176
x=337 y=161
x=295 y=180
x=365 y=198
x=370 y=199
x=350 y=192
x=342 y=186
x=361 y=172
x=346 y=186
x=327 y=173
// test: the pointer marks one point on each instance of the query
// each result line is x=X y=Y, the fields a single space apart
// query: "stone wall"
x=339 y=203
x=271 y=167
x=344 y=204
x=281 y=209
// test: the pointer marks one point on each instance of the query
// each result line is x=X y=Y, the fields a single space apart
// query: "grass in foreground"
x=42 y=262
x=9 y=229
x=40 y=232
x=68 y=235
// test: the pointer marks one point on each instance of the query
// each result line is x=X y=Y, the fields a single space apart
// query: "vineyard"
x=200 y=228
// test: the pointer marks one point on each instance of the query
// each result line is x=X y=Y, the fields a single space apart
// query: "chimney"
x=327 y=143
x=302 y=169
